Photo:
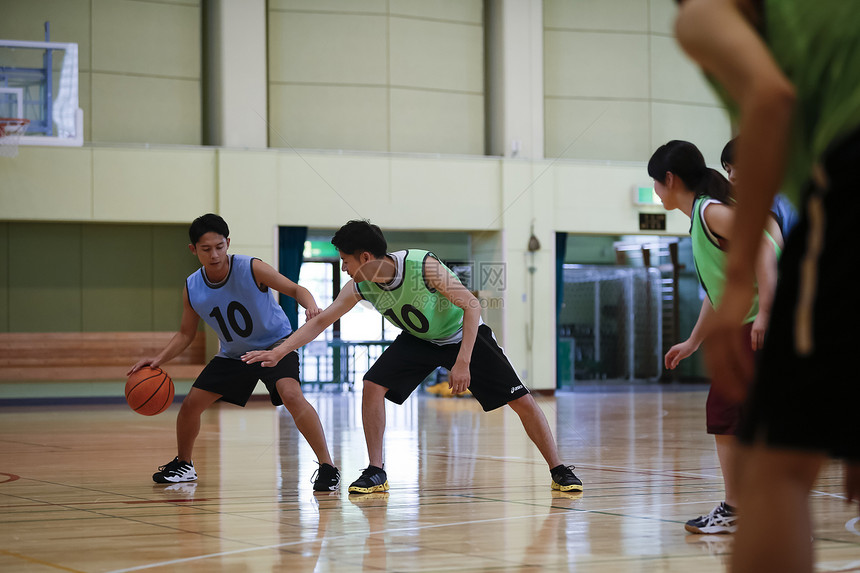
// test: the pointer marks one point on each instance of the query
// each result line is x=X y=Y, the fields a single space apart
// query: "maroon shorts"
x=723 y=413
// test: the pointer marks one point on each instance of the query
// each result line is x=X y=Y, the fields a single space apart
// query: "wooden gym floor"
x=468 y=490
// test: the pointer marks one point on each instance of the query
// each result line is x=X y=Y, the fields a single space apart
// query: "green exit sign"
x=319 y=249
x=645 y=195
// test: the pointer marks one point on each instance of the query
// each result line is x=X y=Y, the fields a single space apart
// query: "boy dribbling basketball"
x=232 y=294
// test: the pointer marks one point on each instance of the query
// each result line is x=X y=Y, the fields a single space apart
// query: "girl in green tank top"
x=684 y=182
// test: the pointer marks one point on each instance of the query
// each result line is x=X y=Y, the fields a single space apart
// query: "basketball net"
x=11 y=130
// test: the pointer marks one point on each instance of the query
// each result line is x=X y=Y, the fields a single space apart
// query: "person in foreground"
x=790 y=70
x=231 y=293
x=684 y=182
x=441 y=323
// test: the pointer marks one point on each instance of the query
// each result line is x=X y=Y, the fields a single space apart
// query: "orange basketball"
x=149 y=391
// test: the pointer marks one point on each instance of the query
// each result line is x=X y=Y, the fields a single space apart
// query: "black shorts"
x=235 y=381
x=409 y=360
x=807 y=391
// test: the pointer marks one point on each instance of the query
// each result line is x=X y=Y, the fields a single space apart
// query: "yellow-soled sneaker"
x=563 y=479
x=373 y=479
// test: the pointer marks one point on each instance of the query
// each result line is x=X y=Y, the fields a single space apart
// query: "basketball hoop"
x=11 y=130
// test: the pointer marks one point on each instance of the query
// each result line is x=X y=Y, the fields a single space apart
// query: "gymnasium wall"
x=139 y=61
x=616 y=84
x=353 y=89
x=377 y=75
x=90 y=277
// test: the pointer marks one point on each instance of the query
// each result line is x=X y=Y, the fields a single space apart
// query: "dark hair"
x=727 y=157
x=359 y=236
x=208 y=223
x=684 y=160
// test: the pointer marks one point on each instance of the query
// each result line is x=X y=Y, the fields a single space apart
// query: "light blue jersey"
x=245 y=317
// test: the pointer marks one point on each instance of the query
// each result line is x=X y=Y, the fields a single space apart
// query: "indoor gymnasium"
x=428 y=285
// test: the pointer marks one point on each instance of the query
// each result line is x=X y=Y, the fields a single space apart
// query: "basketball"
x=149 y=391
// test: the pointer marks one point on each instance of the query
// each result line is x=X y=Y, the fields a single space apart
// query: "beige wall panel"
x=437 y=55
x=154 y=38
x=597 y=129
x=457 y=10
x=248 y=194
x=145 y=110
x=674 y=77
x=663 y=13
x=327 y=48
x=593 y=64
x=592 y=198
x=433 y=122
x=326 y=190
x=45 y=183
x=328 y=117
x=616 y=15
x=707 y=127
x=163 y=185
x=70 y=22
x=444 y=194
x=365 y=6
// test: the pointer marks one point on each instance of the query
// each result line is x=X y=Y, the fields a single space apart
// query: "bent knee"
x=370 y=386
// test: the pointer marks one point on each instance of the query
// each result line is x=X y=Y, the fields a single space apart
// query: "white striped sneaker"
x=175 y=471
x=722 y=519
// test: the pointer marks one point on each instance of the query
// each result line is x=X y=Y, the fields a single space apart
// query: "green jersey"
x=411 y=304
x=710 y=258
x=817 y=47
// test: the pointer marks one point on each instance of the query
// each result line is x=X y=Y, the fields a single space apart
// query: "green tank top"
x=817 y=47
x=710 y=258
x=409 y=303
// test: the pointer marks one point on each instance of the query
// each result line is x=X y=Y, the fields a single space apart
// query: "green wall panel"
x=172 y=263
x=61 y=277
x=4 y=277
x=44 y=277
x=117 y=278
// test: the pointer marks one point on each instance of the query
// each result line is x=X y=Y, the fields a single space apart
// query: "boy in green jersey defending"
x=441 y=323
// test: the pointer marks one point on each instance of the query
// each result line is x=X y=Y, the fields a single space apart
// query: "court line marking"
x=396 y=530
x=851 y=526
x=333 y=538
x=39 y=561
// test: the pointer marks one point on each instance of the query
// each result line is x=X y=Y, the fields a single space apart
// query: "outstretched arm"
x=451 y=288
x=179 y=342
x=266 y=275
x=308 y=331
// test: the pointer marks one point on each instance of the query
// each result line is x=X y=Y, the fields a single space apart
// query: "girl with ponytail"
x=684 y=182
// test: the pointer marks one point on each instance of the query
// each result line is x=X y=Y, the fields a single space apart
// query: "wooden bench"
x=91 y=355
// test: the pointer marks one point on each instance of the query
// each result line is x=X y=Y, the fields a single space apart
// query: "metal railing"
x=338 y=364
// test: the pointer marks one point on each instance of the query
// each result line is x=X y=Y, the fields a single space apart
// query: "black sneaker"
x=372 y=479
x=722 y=519
x=175 y=472
x=326 y=478
x=563 y=479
